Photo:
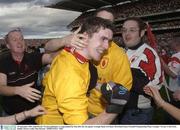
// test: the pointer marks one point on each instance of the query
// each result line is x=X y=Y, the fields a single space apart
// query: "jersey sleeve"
x=139 y=81
x=121 y=70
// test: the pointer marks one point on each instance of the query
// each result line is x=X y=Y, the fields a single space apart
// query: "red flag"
x=153 y=44
x=151 y=37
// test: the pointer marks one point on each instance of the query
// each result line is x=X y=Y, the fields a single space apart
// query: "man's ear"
x=7 y=45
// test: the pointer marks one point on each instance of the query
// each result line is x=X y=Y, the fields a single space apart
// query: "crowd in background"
x=146 y=8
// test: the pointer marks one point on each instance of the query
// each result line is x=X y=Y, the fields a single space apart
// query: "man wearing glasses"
x=146 y=70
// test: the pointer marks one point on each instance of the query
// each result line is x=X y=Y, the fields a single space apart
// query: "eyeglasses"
x=133 y=30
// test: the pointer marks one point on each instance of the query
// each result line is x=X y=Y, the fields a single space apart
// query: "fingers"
x=78 y=44
x=29 y=99
x=29 y=85
x=34 y=97
x=36 y=111
x=42 y=109
x=79 y=41
x=29 y=93
x=35 y=91
x=147 y=90
x=77 y=31
x=81 y=36
x=39 y=110
x=153 y=91
x=76 y=40
x=32 y=94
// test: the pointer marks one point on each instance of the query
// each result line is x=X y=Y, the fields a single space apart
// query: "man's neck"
x=17 y=57
x=79 y=54
x=82 y=52
x=84 y=55
x=136 y=46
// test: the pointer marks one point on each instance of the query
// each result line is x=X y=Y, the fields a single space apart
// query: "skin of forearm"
x=8 y=91
x=172 y=110
x=7 y=120
x=54 y=44
x=11 y=119
x=102 y=119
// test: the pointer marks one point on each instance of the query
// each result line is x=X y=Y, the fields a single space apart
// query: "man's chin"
x=128 y=44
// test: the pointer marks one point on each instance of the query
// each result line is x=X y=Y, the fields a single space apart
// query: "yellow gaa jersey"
x=114 y=66
x=66 y=86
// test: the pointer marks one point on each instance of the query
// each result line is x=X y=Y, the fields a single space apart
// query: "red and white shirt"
x=174 y=65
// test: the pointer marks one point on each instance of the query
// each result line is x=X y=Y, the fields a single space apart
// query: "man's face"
x=98 y=43
x=16 y=42
x=105 y=15
x=131 y=33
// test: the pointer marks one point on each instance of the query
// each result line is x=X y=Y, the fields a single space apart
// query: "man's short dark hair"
x=93 y=24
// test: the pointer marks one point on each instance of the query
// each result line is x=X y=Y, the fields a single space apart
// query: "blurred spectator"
x=174 y=82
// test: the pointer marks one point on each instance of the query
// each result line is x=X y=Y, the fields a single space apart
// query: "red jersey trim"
x=78 y=56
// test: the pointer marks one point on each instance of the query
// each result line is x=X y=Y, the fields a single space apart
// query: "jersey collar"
x=78 y=56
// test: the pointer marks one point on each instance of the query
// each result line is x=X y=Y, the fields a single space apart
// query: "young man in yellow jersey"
x=113 y=66
x=66 y=84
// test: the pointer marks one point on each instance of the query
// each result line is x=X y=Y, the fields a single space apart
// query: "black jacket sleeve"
x=140 y=80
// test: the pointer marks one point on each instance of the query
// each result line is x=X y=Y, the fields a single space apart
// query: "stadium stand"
x=162 y=15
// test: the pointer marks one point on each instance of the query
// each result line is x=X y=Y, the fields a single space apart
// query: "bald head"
x=105 y=14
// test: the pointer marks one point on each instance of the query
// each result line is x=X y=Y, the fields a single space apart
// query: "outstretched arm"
x=53 y=46
x=17 y=118
x=73 y=40
x=154 y=93
x=26 y=91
